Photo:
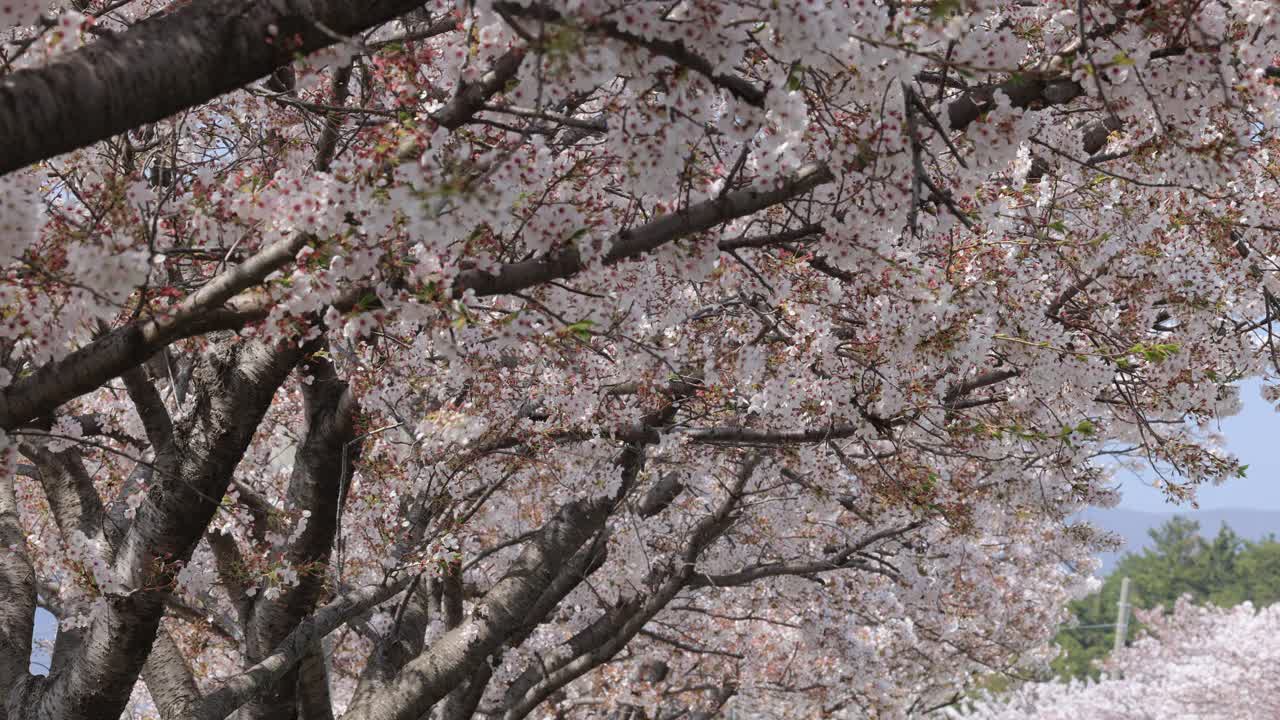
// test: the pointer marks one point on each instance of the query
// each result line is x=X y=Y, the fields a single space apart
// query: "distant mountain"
x=1133 y=525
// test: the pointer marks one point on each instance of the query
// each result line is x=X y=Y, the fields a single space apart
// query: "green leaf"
x=1155 y=353
x=795 y=78
x=581 y=329
x=943 y=8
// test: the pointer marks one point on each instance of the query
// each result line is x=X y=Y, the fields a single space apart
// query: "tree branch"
x=235 y=384
x=127 y=80
x=604 y=638
x=85 y=369
x=323 y=460
x=673 y=50
x=430 y=676
x=77 y=507
x=628 y=244
x=238 y=690
x=17 y=591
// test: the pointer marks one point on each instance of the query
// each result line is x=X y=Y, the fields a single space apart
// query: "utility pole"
x=1122 y=614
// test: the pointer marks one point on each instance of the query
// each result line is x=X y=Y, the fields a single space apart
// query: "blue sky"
x=1253 y=436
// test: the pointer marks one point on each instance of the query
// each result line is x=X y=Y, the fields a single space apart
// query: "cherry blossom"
x=577 y=358
x=1196 y=662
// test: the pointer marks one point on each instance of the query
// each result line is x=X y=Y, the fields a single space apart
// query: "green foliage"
x=1154 y=352
x=581 y=329
x=944 y=8
x=1224 y=571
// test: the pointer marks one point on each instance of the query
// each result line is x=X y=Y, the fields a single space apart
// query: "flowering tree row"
x=579 y=357
x=1198 y=663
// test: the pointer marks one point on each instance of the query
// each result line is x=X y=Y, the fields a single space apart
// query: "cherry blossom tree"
x=581 y=358
x=1199 y=662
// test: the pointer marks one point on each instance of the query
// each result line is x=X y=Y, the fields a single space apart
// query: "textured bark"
x=234 y=386
x=606 y=636
x=456 y=701
x=403 y=643
x=73 y=501
x=701 y=217
x=463 y=701
x=166 y=64
x=17 y=591
x=430 y=676
x=451 y=595
x=76 y=507
x=1023 y=91
x=314 y=702
x=586 y=562
x=169 y=680
x=238 y=690
x=65 y=644
x=470 y=98
x=56 y=382
x=660 y=495
x=322 y=463
x=231 y=569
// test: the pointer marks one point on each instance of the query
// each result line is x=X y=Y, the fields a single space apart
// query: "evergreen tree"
x=1224 y=571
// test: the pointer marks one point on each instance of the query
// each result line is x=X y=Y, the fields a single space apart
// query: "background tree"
x=1201 y=662
x=1224 y=571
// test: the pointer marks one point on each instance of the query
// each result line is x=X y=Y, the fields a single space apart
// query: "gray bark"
x=639 y=241
x=314 y=702
x=403 y=643
x=240 y=689
x=164 y=65
x=234 y=386
x=76 y=506
x=84 y=370
x=169 y=680
x=17 y=591
x=605 y=637
x=322 y=464
x=430 y=676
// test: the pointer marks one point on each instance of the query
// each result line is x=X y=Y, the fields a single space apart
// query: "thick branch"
x=235 y=384
x=1023 y=91
x=122 y=81
x=673 y=50
x=17 y=591
x=778 y=238
x=401 y=644
x=429 y=677
x=85 y=369
x=77 y=507
x=314 y=701
x=471 y=98
x=147 y=401
x=608 y=635
x=322 y=463
x=169 y=680
x=628 y=244
x=238 y=690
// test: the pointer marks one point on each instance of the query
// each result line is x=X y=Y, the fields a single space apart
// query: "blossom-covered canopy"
x=584 y=357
